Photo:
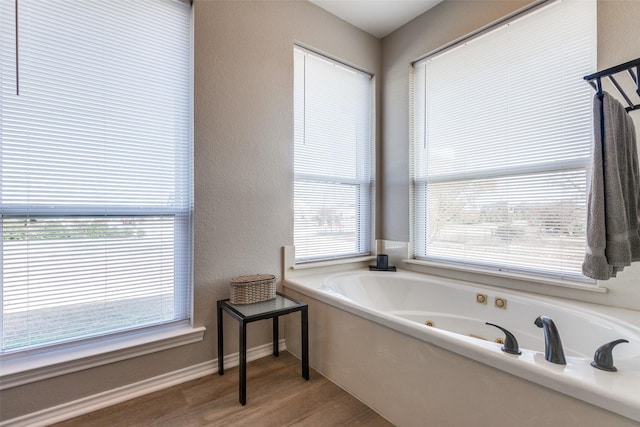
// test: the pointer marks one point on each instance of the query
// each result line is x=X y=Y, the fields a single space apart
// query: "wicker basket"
x=253 y=288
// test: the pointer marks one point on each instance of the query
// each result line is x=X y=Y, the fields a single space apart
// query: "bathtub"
x=422 y=326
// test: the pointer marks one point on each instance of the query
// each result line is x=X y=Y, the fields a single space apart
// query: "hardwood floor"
x=277 y=395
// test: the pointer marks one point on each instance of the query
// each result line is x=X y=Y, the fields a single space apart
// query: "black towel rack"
x=633 y=70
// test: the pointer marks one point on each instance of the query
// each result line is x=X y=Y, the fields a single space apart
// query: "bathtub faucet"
x=553 y=351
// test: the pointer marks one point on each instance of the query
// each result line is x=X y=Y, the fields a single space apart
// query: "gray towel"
x=613 y=216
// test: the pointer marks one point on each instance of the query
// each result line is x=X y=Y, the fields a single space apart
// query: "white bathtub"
x=404 y=301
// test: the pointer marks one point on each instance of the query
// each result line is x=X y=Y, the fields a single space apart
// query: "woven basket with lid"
x=253 y=288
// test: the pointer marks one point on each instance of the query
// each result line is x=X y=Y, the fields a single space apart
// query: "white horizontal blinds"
x=96 y=173
x=70 y=278
x=333 y=150
x=502 y=142
x=89 y=72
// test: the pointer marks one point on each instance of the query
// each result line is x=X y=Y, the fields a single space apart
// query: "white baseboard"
x=111 y=397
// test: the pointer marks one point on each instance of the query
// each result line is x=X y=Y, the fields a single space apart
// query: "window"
x=501 y=138
x=333 y=149
x=96 y=190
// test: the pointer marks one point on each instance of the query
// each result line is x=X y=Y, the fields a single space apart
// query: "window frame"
x=80 y=353
x=364 y=187
x=541 y=276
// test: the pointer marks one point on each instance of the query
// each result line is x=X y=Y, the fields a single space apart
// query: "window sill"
x=512 y=278
x=291 y=269
x=332 y=262
x=37 y=367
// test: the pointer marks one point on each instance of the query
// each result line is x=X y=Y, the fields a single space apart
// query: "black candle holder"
x=382 y=264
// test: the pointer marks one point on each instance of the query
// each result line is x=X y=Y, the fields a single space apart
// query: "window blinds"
x=333 y=150
x=501 y=142
x=96 y=173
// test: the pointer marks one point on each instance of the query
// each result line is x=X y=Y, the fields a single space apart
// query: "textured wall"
x=243 y=132
x=243 y=125
x=450 y=20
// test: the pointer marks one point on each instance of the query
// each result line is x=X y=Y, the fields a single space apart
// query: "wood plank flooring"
x=277 y=395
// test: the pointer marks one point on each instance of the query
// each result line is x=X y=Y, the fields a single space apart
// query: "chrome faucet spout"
x=553 y=351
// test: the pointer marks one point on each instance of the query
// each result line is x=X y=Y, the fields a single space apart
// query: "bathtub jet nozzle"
x=553 y=351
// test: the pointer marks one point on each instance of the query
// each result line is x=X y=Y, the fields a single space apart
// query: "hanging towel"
x=613 y=216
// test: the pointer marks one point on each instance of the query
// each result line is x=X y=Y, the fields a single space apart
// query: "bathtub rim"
x=535 y=369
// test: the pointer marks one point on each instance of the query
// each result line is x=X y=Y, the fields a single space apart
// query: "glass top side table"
x=247 y=313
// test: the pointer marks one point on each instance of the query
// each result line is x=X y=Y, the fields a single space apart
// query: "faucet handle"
x=510 y=342
x=603 y=357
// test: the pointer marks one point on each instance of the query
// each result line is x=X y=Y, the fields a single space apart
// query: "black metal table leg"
x=243 y=362
x=276 y=339
x=305 y=342
x=220 y=341
x=248 y=313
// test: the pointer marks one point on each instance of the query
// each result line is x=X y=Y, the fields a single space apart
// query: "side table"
x=247 y=313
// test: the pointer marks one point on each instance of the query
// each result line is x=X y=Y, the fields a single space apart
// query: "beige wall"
x=244 y=132
x=617 y=42
x=243 y=151
x=243 y=129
